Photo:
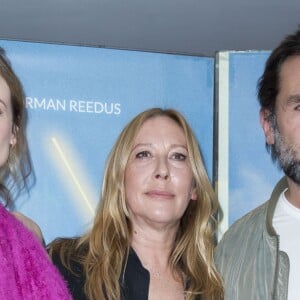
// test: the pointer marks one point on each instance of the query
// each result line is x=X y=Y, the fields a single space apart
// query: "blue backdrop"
x=248 y=175
x=78 y=99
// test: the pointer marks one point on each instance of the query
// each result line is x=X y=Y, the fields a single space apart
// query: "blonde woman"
x=152 y=236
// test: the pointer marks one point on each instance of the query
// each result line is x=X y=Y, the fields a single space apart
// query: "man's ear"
x=266 y=124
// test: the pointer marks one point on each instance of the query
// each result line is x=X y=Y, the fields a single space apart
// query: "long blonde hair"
x=107 y=244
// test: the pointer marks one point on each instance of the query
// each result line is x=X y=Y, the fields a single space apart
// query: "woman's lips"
x=159 y=194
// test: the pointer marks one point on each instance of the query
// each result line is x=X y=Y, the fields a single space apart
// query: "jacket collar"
x=279 y=188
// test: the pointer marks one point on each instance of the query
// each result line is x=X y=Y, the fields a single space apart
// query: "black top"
x=75 y=282
x=134 y=273
x=134 y=281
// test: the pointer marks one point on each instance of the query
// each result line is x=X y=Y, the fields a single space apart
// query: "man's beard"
x=286 y=156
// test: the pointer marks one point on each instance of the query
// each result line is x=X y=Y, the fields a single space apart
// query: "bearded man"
x=259 y=256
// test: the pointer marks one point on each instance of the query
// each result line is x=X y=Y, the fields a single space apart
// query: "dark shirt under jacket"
x=134 y=281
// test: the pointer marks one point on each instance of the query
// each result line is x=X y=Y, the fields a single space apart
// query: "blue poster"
x=247 y=174
x=78 y=100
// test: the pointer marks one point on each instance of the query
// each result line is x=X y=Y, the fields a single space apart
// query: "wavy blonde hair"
x=109 y=239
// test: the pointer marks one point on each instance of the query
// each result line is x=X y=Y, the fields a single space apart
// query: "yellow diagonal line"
x=69 y=168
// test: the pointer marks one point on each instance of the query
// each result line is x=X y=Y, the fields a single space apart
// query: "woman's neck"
x=153 y=248
x=154 y=252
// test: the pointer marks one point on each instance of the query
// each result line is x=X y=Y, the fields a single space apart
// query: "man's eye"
x=178 y=156
x=142 y=154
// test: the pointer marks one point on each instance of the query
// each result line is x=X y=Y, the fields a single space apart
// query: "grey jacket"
x=248 y=256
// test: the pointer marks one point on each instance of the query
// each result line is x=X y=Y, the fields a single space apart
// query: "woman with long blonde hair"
x=153 y=233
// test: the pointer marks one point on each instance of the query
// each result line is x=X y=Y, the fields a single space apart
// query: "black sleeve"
x=74 y=278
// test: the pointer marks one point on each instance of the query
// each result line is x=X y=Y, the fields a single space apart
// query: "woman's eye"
x=143 y=154
x=178 y=156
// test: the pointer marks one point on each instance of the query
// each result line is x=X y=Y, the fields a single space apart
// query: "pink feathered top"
x=26 y=272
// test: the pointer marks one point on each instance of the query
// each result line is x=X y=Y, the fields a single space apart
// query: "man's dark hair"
x=268 y=84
